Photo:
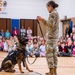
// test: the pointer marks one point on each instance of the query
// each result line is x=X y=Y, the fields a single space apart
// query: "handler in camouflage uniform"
x=52 y=36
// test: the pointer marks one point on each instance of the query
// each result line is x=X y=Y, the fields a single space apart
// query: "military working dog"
x=16 y=57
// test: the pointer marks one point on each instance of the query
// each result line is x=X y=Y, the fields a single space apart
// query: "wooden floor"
x=66 y=66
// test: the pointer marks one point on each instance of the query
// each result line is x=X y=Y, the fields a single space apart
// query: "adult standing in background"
x=68 y=30
x=23 y=31
x=52 y=36
x=15 y=32
x=29 y=32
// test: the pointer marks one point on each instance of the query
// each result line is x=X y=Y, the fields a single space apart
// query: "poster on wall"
x=3 y=6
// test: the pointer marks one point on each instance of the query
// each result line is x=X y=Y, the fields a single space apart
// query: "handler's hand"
x=39 y=18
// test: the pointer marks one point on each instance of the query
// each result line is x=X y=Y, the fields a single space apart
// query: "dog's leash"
x=43 y=38
x=40 y=29
x=32 y=62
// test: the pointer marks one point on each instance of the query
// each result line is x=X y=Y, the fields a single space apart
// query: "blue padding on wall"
x=71 y=24
x=15 y=23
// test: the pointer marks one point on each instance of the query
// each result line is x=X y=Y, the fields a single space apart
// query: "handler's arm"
x=53 y=18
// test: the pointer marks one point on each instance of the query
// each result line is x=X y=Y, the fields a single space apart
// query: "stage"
x=66 y=66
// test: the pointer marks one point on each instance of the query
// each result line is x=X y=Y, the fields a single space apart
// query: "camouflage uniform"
x=52 y=36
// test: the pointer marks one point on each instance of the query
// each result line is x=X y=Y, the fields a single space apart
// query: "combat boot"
x=52 y=71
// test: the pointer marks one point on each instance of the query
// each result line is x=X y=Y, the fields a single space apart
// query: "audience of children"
x=36 y=45
x=36 y=49
x=63 y=50
x=66 y=46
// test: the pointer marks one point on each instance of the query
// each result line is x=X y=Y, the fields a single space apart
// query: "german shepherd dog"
x=16 y=57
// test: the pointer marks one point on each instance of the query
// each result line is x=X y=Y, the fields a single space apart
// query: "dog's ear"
x=23 y=41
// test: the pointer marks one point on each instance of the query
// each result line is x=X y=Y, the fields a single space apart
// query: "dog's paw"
x=30 y=70
x=11 y=71
x=22 y=72
x=14 y=70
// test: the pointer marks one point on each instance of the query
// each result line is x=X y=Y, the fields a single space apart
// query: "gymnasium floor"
x=66 y=66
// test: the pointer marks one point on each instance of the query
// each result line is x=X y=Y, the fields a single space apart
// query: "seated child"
x=42 y=48
x=29 y=47
x=35 y=50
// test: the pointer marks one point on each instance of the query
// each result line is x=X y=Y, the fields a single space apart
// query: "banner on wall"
x=3 y=6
